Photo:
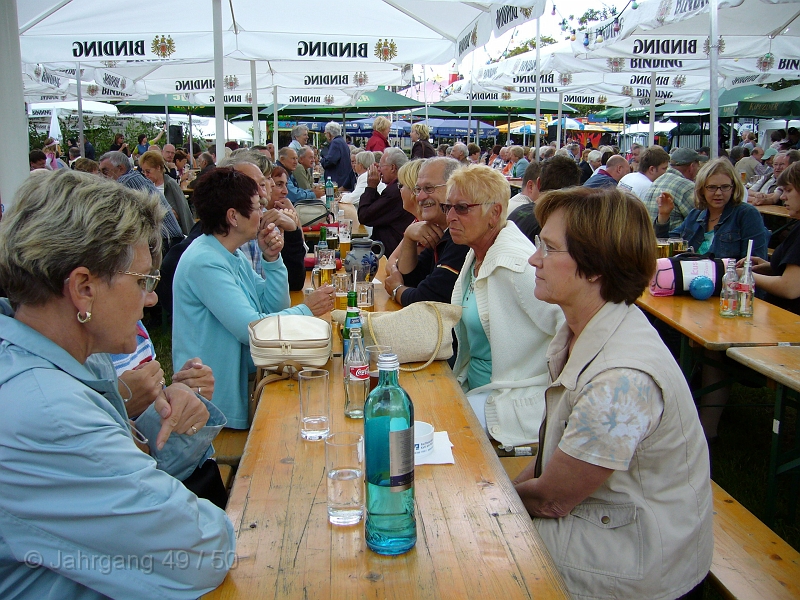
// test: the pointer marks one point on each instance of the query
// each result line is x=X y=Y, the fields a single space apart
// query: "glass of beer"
x=345 y=231
x=663 y=248
x=374 y=352
x=326 y=267
x=342 y=283
x=365 y=295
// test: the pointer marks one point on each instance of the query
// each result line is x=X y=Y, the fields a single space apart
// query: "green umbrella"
x=382 y=100
x=727 y=98
x=784 y=104
x=501 y=108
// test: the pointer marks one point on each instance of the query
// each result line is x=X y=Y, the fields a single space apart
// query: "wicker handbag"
x=420 y=332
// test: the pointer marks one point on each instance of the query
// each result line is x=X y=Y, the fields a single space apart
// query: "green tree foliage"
x=529 y=45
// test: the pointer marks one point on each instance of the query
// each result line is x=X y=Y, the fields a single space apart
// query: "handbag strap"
x=435 y=350
x=288 y=369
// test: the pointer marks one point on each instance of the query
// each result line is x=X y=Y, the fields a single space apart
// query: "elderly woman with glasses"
x=216 y=292
x=620 y=489
x=722 y=223
x=77 y=262
x=504 y=330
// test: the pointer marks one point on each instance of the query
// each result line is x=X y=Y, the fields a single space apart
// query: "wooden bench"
x=229 y=446
x=226 y=472
x=750 y=561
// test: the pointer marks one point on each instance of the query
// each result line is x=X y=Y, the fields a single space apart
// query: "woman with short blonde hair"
x=154 y=168
x=422 y=148
x=380 y=134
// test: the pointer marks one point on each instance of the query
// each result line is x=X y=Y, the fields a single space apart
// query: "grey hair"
x=450 y=165
x=595 y=156
x=333 y=128
x=302 y=152
x=67 y=219
x=365 y=158
x=395 y=156
x=355 y=149
x=299 y=130
x=116 y=158
x=238 y=157
x=461 y=147
x=284 y=152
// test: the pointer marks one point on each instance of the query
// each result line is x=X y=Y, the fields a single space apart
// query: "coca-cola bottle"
x=356 y=376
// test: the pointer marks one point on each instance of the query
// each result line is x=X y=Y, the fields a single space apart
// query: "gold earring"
x=86 y=318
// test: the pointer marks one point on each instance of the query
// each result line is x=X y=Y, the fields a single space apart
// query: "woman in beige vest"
x=620 y=490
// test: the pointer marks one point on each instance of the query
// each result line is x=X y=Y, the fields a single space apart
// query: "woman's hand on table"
x=181 y=412
x=270 y=241
x=321 y=300
x=145 y=383
x=196 y=376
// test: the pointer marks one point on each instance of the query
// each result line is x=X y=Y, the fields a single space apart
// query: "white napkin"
x=442 y=451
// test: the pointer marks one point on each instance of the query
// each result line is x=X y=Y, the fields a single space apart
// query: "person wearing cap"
x=678 y=181
x=765 y=168
x=748 y=164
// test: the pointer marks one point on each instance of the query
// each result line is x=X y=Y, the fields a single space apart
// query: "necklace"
x=472 y=277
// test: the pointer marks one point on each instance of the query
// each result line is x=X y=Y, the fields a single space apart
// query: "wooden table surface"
x=359 y=232
x=774 y=210
x=474 y=537
x=779 y=363
x=700 y=321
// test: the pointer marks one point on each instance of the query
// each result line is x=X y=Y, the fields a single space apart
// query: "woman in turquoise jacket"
x=84 y=513
x=216 y=292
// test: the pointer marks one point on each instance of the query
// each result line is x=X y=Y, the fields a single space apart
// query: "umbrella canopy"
x=568 y=124
x=784 y=103
x=727 y=101
x=382 y=100
x=419 y=113
x=177 y=103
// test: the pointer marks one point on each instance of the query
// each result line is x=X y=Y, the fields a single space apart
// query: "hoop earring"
x=84 y=319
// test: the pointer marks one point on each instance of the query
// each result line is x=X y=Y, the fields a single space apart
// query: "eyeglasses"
x=713 y=189
x=461 y=209
x=428 y=189
x=543 y=248
x=147 y=282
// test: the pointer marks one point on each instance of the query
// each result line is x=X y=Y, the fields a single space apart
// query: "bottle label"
x=401 y=459
x=359 y=372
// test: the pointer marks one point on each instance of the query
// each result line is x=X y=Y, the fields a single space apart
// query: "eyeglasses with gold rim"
x=148 y=282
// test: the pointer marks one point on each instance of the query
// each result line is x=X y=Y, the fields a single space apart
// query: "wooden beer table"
x=773 y=210
x=474 y=536
x=781 y=368
x=699 y=324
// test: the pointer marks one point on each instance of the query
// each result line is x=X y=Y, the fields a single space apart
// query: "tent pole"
x=651 y=139
x=80 y=110
x=166 y=116
x=219 y=73
x=713 y=87
x=13 y=117
x=538 y=86
x=254 y=103
x=191 y=141
x=471 y=79
x=558 y=124
x=275 y=117
x=425 y=92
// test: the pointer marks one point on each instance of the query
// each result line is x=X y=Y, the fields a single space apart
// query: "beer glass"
x=315 y=404
x=341 y=283
x=365 y=295
x=345 y=231
x=322 y=274
x=662 y=248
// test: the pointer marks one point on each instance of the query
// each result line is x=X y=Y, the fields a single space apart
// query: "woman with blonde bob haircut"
x=623 y=464
x=422 y=148
x=77 y=264
x=380 y=135
x=721 y=222
x=504 y=331
x=154 y=168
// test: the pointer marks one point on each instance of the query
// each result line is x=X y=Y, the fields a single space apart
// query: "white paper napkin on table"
x=442 y=451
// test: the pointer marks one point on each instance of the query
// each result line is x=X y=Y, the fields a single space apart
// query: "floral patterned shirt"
x=615 y=412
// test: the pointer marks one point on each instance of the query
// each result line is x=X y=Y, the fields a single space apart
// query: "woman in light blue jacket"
x=216 y=292
x=84 y=513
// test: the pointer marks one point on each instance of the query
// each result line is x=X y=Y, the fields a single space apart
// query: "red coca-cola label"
x=359 y=371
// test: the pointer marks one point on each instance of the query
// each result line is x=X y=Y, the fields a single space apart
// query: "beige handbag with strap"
x=420 y=332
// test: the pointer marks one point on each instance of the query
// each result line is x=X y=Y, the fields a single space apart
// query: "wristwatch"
x=394 y=293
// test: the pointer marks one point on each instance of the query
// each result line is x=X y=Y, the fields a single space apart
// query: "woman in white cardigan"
x=504 y=330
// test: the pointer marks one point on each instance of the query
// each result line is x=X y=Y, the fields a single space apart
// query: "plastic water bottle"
x=729 y=294
x=747 y=290
x=356 y=376
x=391 y=526
x=329 y=195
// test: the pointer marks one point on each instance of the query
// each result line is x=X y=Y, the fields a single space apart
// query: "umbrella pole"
x=191 y=140
x=538 y=85
x=471 y=79
x=254 y=103
x=275 y=117
x=508 y=133
x=713 y=91
x=425 y=93
x=652 y=136
x=166 y=116
x=558 y=124
x=80 y=110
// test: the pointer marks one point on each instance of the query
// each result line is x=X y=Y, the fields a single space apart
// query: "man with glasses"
x=678 y=182
x=431 y=274
x=384 y=211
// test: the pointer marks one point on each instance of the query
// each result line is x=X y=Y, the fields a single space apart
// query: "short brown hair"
x=654 y=156
x=713 y=167
x=87 y=165
x=217 y=191
x=152 y=159
x=790 y=176
x=624 y=255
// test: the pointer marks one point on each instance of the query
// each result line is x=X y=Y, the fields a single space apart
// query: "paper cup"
x=423 y=438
